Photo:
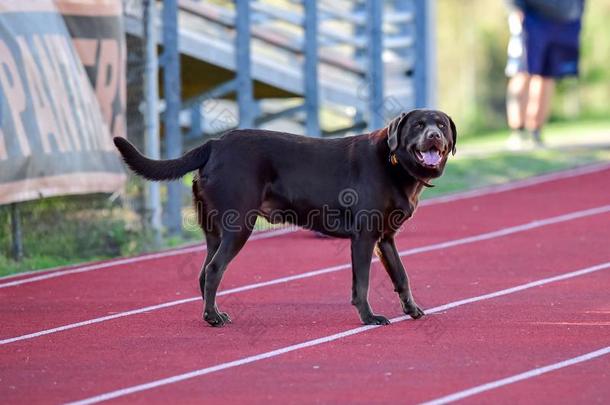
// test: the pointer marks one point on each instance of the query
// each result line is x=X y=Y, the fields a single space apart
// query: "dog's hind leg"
x=210 y=229
x=230 y=244
x=212 y=244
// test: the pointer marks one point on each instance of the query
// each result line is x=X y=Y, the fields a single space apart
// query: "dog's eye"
x=420 y=124
x=441 y=125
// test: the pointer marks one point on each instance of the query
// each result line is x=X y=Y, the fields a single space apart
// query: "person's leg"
x=538 y=105
x=518 y=82
x=516 y=100
x=516 y=104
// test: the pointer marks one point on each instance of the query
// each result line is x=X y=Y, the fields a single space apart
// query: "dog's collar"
x=394 y=161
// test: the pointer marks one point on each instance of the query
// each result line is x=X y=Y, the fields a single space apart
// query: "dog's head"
x=421 y=141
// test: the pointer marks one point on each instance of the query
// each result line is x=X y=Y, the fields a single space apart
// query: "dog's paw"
x=225 y=316
x=411 y=309
x=216 y=319
x=376 y=320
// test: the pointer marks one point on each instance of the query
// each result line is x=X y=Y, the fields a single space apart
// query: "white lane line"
x=315 y=342
x=98 y=266
x=518 y=377
x=263 y=235
x=113 y=262
x=422 y=249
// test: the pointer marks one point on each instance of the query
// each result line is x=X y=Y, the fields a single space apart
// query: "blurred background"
x=169 y=75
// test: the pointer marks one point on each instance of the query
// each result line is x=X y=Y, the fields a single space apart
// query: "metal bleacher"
x=362 y=60
x=314 y=67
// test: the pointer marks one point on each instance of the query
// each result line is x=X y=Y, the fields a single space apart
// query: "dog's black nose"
x=433 y=135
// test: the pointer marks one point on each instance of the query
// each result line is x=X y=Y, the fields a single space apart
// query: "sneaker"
x=517 y=140
x=537 y=138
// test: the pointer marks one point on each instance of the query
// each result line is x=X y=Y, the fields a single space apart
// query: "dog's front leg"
x=390 y=258
x=362 y=253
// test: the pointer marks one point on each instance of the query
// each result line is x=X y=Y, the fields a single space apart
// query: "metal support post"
x=374 y=9
x=243 y=65
x=151 y=117
x=310 y=68
x=171 y=90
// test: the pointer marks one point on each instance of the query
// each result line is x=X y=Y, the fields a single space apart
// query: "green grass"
x=559 y=132
x=65 y=231
x=494 y=165
x=8 y=266
x=502 y=167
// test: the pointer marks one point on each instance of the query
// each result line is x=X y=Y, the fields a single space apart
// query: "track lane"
x=483 y=191
x=112 y=291
x=569 y=181
x=346 y=266
x=458 y=349
x=585 y=382
x=150 y=346
x=32 y=276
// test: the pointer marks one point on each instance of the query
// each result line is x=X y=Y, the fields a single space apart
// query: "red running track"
x=108 y=291
x=410 y=362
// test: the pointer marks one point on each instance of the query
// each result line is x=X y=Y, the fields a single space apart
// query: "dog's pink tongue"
x=431 y=157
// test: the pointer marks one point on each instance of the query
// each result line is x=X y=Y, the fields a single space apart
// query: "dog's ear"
x=394 y=128
x=454 y=132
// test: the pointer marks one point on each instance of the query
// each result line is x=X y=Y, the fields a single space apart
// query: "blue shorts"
x=551 y=48
x=544 y=47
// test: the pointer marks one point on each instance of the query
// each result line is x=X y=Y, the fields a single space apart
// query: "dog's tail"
x=158 y=170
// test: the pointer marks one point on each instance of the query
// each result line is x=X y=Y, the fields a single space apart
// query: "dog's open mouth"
x=431 y=158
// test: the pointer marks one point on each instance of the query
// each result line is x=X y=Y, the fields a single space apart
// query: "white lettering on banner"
x=95 y=120
x=64 y=92
x=13 y=90
x=87 y=51
x=3 y=154
x=45 y=119
x=107 y=76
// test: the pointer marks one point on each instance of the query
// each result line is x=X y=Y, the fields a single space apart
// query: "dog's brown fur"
x=289 y=178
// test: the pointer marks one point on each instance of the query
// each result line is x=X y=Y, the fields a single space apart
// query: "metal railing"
x=366 y=59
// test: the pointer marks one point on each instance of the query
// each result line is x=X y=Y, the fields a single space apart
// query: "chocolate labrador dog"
x=362 y=187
